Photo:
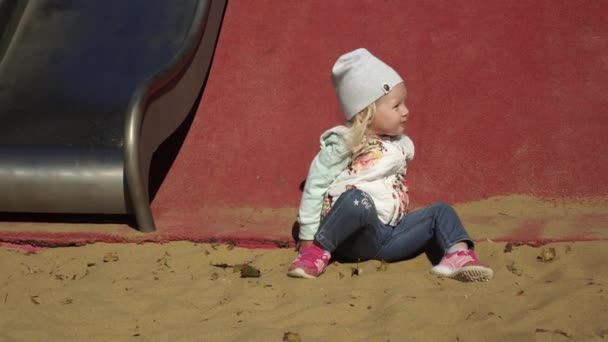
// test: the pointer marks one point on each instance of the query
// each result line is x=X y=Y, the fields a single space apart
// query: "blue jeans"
x=352 y=231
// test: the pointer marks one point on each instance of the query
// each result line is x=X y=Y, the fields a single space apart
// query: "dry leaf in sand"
x=512 y=267
x=247 y=271
x=31 y=270
x=602 y=333
x=547 y=254
x=291 y=337
x=383 y=266
x=110 y=257
x=356 y=271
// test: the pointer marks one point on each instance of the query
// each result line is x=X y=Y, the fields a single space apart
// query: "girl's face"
x=391 y=112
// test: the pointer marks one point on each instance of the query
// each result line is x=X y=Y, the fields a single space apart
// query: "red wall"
x=505 y=98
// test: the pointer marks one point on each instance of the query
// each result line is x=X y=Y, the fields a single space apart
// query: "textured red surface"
x=505 y=98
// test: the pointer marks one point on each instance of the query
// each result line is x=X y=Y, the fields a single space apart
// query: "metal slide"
x=88 y=91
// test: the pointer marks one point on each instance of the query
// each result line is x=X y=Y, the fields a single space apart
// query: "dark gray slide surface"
x=88 y=90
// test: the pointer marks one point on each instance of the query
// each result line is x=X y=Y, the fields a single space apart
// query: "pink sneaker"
x=310 y=263
x=463 y=265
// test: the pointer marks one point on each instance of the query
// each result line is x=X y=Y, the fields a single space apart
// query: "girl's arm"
x=408 y=144
x=325 y=167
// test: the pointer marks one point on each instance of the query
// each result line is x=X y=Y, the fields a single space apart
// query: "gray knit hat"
x=360 y=78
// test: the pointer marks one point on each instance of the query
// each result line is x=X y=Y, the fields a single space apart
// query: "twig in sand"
x=554 y=331
x=86 y=273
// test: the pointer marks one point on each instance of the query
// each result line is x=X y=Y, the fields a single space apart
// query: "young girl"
x=355 y=201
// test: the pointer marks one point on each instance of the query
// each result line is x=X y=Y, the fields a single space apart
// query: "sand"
x=173 y=292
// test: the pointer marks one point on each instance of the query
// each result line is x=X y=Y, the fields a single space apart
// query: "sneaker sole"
x=299 y=273
x=469 y=274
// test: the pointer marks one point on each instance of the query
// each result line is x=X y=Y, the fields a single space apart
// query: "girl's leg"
x=437 y=223
x=351 y=230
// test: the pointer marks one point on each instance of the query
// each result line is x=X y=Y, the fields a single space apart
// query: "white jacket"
x=329 y=168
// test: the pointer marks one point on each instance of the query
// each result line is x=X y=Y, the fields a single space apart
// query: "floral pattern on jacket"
x=373 y=152
x=380 y=172
x=402 y=192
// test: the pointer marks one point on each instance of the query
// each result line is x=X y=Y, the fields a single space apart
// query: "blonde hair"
x=360 y=130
